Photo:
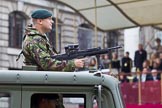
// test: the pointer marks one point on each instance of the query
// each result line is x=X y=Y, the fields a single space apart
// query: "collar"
x=33 y=31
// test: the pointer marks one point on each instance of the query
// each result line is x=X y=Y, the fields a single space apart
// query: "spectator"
x=115 y=63
x=158 y=47
x=155 y=76
x=126 y=63
x=140 y=57
x=159 y=64
x=152 y=59
x=92 y=64
x=144 y=76
x=160 y=57
x=123 y=78
x=101 y=66
x=106 y=61
x=155 y=65
x=146 y=64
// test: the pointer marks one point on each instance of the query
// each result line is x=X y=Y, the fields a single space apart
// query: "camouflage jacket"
x=37 y=51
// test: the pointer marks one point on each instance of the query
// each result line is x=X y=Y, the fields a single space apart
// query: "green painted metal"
x=30 y=82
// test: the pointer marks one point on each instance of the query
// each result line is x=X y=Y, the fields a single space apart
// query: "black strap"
x=18 y=57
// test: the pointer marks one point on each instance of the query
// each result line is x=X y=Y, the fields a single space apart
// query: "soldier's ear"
x=39 y=21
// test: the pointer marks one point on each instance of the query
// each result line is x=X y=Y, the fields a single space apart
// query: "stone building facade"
x=15 y=15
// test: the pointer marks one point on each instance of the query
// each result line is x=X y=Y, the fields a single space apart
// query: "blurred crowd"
x=146 y=68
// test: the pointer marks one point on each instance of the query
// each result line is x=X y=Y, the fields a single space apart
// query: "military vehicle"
x=78 y=89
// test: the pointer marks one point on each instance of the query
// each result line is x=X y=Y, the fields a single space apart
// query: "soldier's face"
x=47 y=24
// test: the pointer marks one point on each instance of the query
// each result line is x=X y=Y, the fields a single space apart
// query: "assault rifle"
x=72 y=52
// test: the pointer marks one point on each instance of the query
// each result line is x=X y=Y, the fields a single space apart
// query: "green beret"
x=41 y=14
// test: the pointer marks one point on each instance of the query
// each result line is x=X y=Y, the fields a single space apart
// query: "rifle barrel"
x=83 y=53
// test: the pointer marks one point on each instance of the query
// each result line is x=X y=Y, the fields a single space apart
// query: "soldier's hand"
x=79 y=63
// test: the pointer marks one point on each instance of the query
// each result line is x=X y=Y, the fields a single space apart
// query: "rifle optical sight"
x=71 y=48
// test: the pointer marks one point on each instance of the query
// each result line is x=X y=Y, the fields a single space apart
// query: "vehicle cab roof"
x=20 y=77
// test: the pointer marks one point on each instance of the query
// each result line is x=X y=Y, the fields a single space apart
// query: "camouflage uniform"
x=37 y=51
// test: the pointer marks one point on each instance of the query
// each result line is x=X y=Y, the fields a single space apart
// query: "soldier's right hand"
x=79 y=63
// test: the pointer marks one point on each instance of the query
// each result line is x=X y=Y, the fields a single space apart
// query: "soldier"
x=36 y=48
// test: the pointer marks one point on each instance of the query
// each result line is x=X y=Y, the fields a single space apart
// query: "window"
x=58 y=100
x=85 y=34
x=52 y=36
x=17 y=22
x=112 y=40
x=4 y=100
x=74 y=101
